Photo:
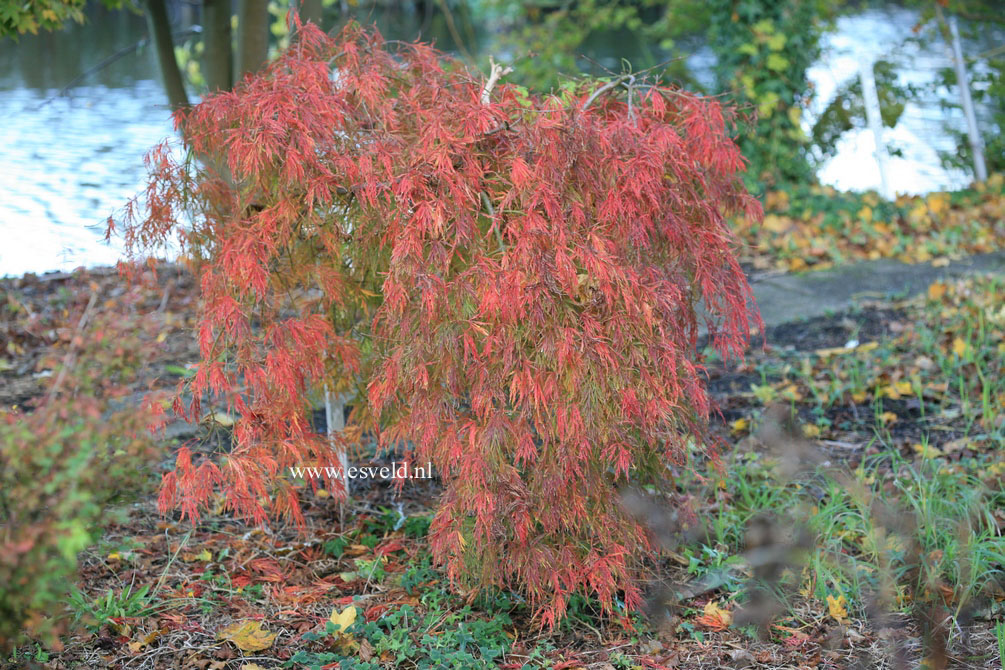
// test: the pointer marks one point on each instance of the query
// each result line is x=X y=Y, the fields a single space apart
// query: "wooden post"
x=875 y=120
x=976 y=146
x=335 y=422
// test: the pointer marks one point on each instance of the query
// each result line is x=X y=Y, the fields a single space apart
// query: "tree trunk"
x=160 y=32
x=252 y=36
x=311 y=10
x=218 y=57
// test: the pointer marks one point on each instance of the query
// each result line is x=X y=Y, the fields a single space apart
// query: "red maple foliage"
x=510 y=287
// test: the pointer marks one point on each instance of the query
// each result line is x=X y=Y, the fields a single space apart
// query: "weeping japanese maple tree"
x=507 y=285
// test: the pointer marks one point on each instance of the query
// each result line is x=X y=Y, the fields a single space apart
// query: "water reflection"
x=70 y=160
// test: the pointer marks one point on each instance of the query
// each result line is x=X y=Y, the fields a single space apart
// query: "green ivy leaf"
x=777 y=62
x=777 y=42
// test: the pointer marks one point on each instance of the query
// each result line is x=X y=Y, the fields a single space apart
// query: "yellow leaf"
x=713 y=609
x=791 y=392
x=957 y=445
x=865 y=214
x=715 y=617
x=938 y=203
x=765 y=392
x=252 y=666
x=795 y=114
x=926 y=450
x=887 y=418
x=775 y=223
x=115 y=556
x=138 y=645
x=811 y=430
x=247 y=636
x=838 y=608
x=203 y=556
x=342 y=620
x=936 y=290
x=221 y=418
x=903 y=387
x=739 y=426
x=918 y=213
x=959 y=347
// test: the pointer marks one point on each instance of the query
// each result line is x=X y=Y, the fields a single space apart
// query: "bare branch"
x=614 y=83
x=496 y=73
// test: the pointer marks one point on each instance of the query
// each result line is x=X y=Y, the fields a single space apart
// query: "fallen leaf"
x=191 y=557
x=714 y=617
x=247 y=636
x=936 y=290
x=342 y=620
x=775 y=223
x=365 y=650
x=957 y=445
x=960 y=347
x=739 y=426
x=838 y=608
x=221 y=418
x=138 y=645
x=356 y=550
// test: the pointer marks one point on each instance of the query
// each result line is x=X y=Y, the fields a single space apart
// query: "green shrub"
x=61 y=463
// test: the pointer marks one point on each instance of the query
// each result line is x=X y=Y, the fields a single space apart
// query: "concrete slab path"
x=786 y=298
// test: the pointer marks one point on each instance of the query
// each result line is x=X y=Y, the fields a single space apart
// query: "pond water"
x=72 y=155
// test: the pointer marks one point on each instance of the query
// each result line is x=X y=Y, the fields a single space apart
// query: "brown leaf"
x=247 y=636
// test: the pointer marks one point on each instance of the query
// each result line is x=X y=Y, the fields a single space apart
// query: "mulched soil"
x=283 y=577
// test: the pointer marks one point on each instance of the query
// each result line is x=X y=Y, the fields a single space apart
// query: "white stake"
x=335 y=421
x=976 y=146
x=875 y=120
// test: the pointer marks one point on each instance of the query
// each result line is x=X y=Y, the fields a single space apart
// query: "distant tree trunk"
x=311 y=10
x=252 y=36
x=218 y=59
x=160 y=32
